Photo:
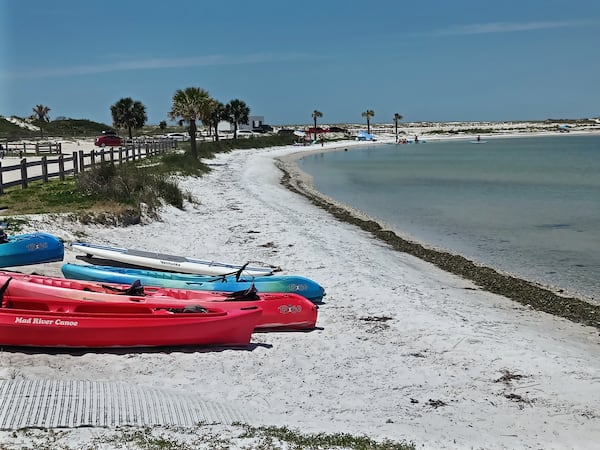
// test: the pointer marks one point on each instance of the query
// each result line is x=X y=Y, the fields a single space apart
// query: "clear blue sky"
x=427 y=60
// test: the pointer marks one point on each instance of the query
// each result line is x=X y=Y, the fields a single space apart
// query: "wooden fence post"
x=61 y=167
x=24 y=173
x=81 y=161
x=75 y=163
x=93 y=159
x=44 y=162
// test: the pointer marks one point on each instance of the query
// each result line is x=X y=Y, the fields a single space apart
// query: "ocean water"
x=526 y=206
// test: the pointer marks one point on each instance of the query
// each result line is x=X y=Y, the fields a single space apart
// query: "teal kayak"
x=225 y=283
x=30 y=248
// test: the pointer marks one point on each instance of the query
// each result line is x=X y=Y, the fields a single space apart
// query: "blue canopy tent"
x=364 y=136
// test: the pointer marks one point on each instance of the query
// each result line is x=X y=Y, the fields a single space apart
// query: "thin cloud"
x=154 y=64
x=507 y=27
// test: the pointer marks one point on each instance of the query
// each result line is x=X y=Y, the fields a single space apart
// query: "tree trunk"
x=194 y=149
x=315 y=128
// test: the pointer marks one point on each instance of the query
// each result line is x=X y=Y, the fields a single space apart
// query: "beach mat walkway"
x=70 y=404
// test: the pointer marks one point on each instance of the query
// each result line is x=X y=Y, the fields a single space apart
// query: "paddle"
x=238 y=274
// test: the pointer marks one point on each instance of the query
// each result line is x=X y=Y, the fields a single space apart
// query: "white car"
x=246 y=133
x=178 y=136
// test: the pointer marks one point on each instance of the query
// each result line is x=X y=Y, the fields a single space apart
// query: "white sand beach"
x=403 y=350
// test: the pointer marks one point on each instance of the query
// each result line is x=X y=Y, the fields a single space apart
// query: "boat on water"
x=29 y=248
x=226 y=283
x=287 y=311
x=161 y=261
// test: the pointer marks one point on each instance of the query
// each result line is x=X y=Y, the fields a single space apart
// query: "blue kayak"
x=225 y=283
x=30 y=248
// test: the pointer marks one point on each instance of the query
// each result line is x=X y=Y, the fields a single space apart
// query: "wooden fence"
x=61 y=166
x=21 y=148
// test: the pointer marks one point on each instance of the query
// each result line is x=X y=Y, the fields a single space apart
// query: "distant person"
x=3 y=236
x=478 y=138
x=416 y=139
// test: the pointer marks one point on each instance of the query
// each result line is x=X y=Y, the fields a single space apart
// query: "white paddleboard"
x=169 y=263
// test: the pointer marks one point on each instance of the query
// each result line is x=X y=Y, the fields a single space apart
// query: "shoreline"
x=528 y=293
x=403 y=350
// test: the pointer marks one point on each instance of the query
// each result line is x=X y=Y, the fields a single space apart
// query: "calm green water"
x=527 y=206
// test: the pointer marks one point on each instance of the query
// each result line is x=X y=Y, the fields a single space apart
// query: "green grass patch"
x=114 y=194
x=226 y=145
x=270 y=435
x=109 y=190
x=205 y=436
x=178 y=163
x=40 y=198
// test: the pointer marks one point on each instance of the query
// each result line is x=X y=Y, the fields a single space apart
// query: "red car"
x=311 y=130
x=108 y=140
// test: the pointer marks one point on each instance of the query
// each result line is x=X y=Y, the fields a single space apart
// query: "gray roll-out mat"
x=70 y=404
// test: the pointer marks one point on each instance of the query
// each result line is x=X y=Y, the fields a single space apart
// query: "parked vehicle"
x=246 y=133
x=181 y=137
x=108 y=140
x=311 y=130
x=285 y=132
x=337 y=130
x=263 y=129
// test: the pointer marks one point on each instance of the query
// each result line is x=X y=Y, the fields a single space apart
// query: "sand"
x=403 y=350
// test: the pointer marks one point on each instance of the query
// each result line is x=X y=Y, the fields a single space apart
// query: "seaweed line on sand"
x=519 y=290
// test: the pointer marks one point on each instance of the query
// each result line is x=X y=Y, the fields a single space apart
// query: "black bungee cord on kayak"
x=3 y=290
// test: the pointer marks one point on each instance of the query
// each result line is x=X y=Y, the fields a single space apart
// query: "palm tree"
x=129 y=114
x=191 y=104
x=397 y=118
x=368 y=114
x=316 y=114
x=40 y=112
x=217 y=113
x=236 y=111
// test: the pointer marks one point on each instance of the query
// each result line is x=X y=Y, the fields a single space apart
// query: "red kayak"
x=47 y=323
x=279 y=310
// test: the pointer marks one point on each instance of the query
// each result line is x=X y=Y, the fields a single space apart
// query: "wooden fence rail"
x=20 y=148
x=46 y=168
